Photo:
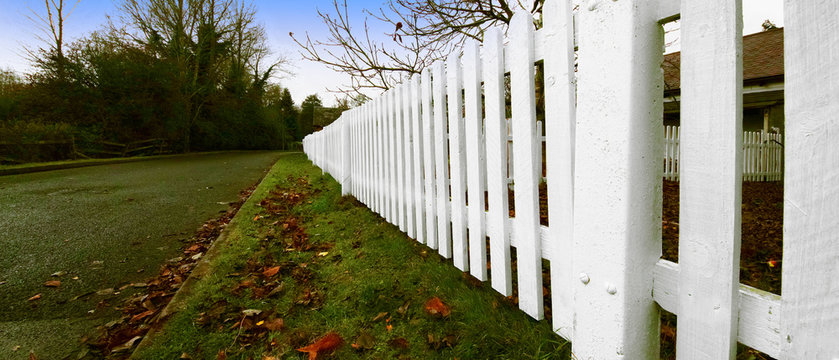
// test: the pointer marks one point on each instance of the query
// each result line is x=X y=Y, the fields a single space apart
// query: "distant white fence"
x=604 y=170
x=763 y=155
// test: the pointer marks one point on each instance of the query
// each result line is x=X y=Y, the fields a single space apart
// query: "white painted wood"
x=380 y=156
x=475 y=162
x=528 y=167
x=560 y=121
x=345 y=171
x=444 y=236
x=668 y=10
x=457 y=160
x=810 y=302
x=428 y=161
x=367 y=151
x=399 y=153
x=617 y=180
x=496 y=150
x=759 y=311
x=407 y=116
x=390 y=137
x=711 y=178
x=418 y=150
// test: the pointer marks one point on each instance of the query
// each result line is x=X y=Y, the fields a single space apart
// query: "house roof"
x=763 y=57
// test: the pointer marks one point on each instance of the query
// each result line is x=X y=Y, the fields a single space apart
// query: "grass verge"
x=301 y=261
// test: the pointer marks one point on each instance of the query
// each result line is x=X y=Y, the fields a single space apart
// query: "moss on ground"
x=341 y=268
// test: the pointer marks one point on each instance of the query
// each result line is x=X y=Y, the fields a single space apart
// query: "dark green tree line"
x=194 y=72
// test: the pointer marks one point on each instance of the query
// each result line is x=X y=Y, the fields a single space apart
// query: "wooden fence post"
x=809 y=306
x=711 y=178
x=617 y=182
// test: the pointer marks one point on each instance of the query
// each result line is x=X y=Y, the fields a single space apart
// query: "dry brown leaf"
x=399 y=343
x=221 y=355
x=271 y=272
x=328 y=342
x=52 y=283
x=141 y=316
x=34 y=297
x=435 y=306
x=275 y=324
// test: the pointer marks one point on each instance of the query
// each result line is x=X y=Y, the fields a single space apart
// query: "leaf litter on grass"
x=117 y=338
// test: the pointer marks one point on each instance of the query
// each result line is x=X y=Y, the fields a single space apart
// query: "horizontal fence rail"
x=434 y=155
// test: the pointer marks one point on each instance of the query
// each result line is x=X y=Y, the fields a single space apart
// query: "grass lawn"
x=301 y=261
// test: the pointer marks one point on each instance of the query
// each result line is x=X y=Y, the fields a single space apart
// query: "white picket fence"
x=763 y=155
x=604 y=130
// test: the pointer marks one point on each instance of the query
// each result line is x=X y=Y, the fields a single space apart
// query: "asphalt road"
x=101 y=226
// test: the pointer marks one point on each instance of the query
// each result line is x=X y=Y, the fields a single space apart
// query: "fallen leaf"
x=185 y=356
x=34 y=297
x=435 y=306
x=58 y=274
x=380 y=316
x=141 y=316
x=127 y=345
x=389 y=327
x=221 y=355
x=364 y=341
x=256 y=218
x=32 y=355
x=52 y=283
x=328 y=342
x=322 y=254
x=271 y=271
x=16 y=348
x=399 y=343
x=105 y=292
x=251 y=312
x=275 y=324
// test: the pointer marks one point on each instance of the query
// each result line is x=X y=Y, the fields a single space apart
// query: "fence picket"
x=391 y=154
x=475 y=164
x=444 y=235
x=529 y=251
x=400 y=158
x=429 y=133
x=457 y=159
x=410 y=217
x=559 y=133
x=810 y=311
x=496 y=150
x=418 y=202
x=709 y=212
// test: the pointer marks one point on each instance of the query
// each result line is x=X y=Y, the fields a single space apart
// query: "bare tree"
x=424 y=31
x=52 y=25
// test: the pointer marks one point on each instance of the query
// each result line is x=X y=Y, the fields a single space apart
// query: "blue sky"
x=279 y=18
